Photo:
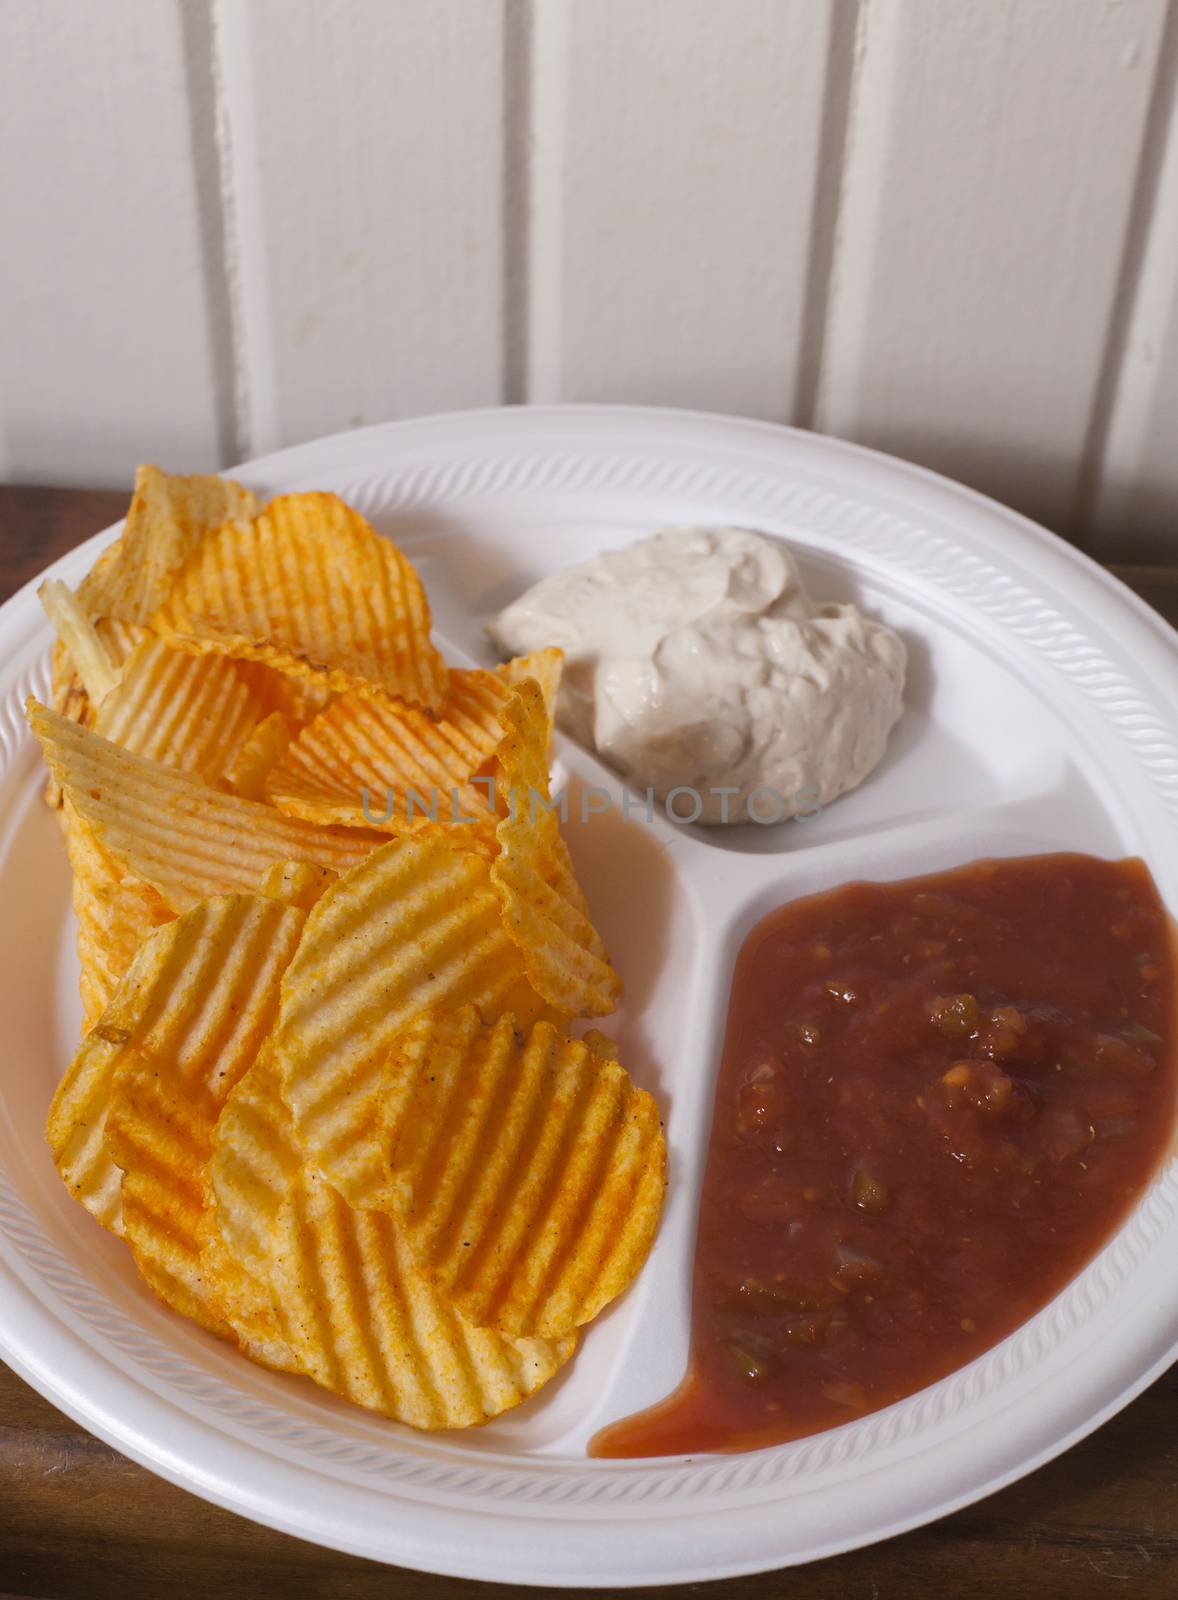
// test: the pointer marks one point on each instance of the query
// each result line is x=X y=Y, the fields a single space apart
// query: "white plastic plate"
x=1041 y=715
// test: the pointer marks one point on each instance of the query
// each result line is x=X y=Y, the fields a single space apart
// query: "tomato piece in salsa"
x=937 y=1100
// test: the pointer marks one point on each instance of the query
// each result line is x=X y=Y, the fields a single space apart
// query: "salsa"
x=937 y=1100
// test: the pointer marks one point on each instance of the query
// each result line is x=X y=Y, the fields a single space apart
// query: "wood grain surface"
x=78 y=1521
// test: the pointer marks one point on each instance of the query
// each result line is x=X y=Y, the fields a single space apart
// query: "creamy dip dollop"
x=696 y=660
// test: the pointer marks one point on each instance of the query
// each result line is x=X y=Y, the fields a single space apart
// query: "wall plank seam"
x=1141 y=216
x=244 y=265
x=812 y=406
x=550 y=23
x=1144 y=217
x=517 y=200
x=214 y=219
x=838 y=104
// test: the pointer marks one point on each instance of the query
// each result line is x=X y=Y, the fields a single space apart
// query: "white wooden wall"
x=945 y=227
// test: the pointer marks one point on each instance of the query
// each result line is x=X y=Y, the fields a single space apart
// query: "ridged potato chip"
x=545 y=666
x=600 y=1044
x=353 y=1308
x=199 y=991
x=415 y=925
x=243 y=1302
x=192 y=713
x=187 y=840
x=156 y=1135
x=79 y=637
x=255 y=1162
x=159 y=1006
x=547 y=914
x=324 y=1095
x=294 y=699
x=380 y=763
x=191 y=1021
x=119 y=638
x=104 y=565
x=67 y=691
x=76 y=1130
x=168 y=517
x=114 y=914
x=67 y=694
x=76 y=1125
x=365 y=1321
x=310 y=588
x=528 y=1170
x=258 y=756
x=296 y=883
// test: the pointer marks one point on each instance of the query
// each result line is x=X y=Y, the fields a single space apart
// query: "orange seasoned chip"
x=79 y=637
x=545 y=666
x=367 y=1323
x=104 y=565
x=76 y=1124
x=114 y=914
x=258 y=756
x=600 y=1044
x=168 y=517
x=255 y=1161
x=354 y=1309
x=76 y=1130
x=375 y=762
x=547 y=914
x=190 y=1019
x=170 y=830
x=156 y=1135
x=416 y=924
x=310 y=588
x=192 y=713
x=119 y=637
x=296 y=700
x=331 y=938
x=67 y=693
x=159 y=1006
x=244 y=1303
x=528 y=1171
x=211 y=975
x=296 y=883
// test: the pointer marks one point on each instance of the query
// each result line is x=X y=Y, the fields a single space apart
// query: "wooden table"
x=80 y=1522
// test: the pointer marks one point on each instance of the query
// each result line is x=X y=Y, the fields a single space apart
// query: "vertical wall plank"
x=1135 y=516
x=992 y=162
x=365 y=164
x=106 y=348
x=676 y=149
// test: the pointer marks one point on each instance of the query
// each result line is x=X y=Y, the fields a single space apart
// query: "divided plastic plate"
x=1041 y=715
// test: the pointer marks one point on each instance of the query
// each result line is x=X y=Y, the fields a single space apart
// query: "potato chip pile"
x=331 y=944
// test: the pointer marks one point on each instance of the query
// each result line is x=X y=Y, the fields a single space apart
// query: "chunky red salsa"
x=937 y=1100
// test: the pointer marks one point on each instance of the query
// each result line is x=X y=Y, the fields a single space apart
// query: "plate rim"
x=1049 y=543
